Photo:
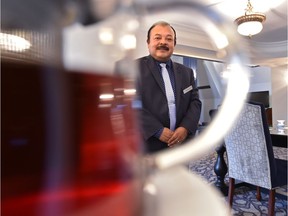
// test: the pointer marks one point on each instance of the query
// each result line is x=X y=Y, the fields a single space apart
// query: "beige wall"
x=279 y=77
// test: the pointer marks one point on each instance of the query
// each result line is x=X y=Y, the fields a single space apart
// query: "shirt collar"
x=168 y=63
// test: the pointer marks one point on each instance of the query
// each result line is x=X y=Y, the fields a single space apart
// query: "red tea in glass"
x=69 y=143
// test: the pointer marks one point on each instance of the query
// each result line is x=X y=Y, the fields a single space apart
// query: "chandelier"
x=251 y=22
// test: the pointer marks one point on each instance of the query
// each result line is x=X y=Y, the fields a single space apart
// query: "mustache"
x=162 y=47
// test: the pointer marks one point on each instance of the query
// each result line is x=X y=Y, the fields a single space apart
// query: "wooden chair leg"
x=271 y=205
x=258 y=196
x=231 y=191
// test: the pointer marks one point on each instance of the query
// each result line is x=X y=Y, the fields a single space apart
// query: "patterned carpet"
x=244 y=201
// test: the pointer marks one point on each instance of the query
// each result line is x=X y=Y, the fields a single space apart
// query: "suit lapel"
x=155 y=72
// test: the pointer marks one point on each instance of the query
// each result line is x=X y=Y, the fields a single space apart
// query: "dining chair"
x=250 y=154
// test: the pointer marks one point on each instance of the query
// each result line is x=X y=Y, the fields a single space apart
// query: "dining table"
x=279 y=136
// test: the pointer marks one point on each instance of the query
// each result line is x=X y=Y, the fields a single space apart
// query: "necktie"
x=169 y=95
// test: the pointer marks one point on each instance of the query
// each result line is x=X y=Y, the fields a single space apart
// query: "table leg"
x=220 y=169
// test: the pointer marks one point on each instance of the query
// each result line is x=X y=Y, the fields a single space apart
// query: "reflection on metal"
x=13 y=42
x=29 y=46
x=106 y=96
x=130 y=91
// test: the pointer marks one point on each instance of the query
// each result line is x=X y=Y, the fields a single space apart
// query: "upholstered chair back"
x=249 y=148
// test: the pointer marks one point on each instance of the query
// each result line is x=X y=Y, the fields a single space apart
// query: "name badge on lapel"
x=189 y=88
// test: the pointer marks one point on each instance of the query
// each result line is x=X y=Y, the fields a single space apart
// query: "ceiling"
x=268 y=48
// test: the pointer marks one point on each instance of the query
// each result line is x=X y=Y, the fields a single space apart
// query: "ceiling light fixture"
x=251 y=23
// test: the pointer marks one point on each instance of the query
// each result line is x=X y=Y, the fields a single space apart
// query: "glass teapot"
x=70 y=136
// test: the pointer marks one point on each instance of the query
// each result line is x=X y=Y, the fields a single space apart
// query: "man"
x=170 y=106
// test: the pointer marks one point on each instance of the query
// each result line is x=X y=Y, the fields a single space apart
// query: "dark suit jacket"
x=154 y=113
